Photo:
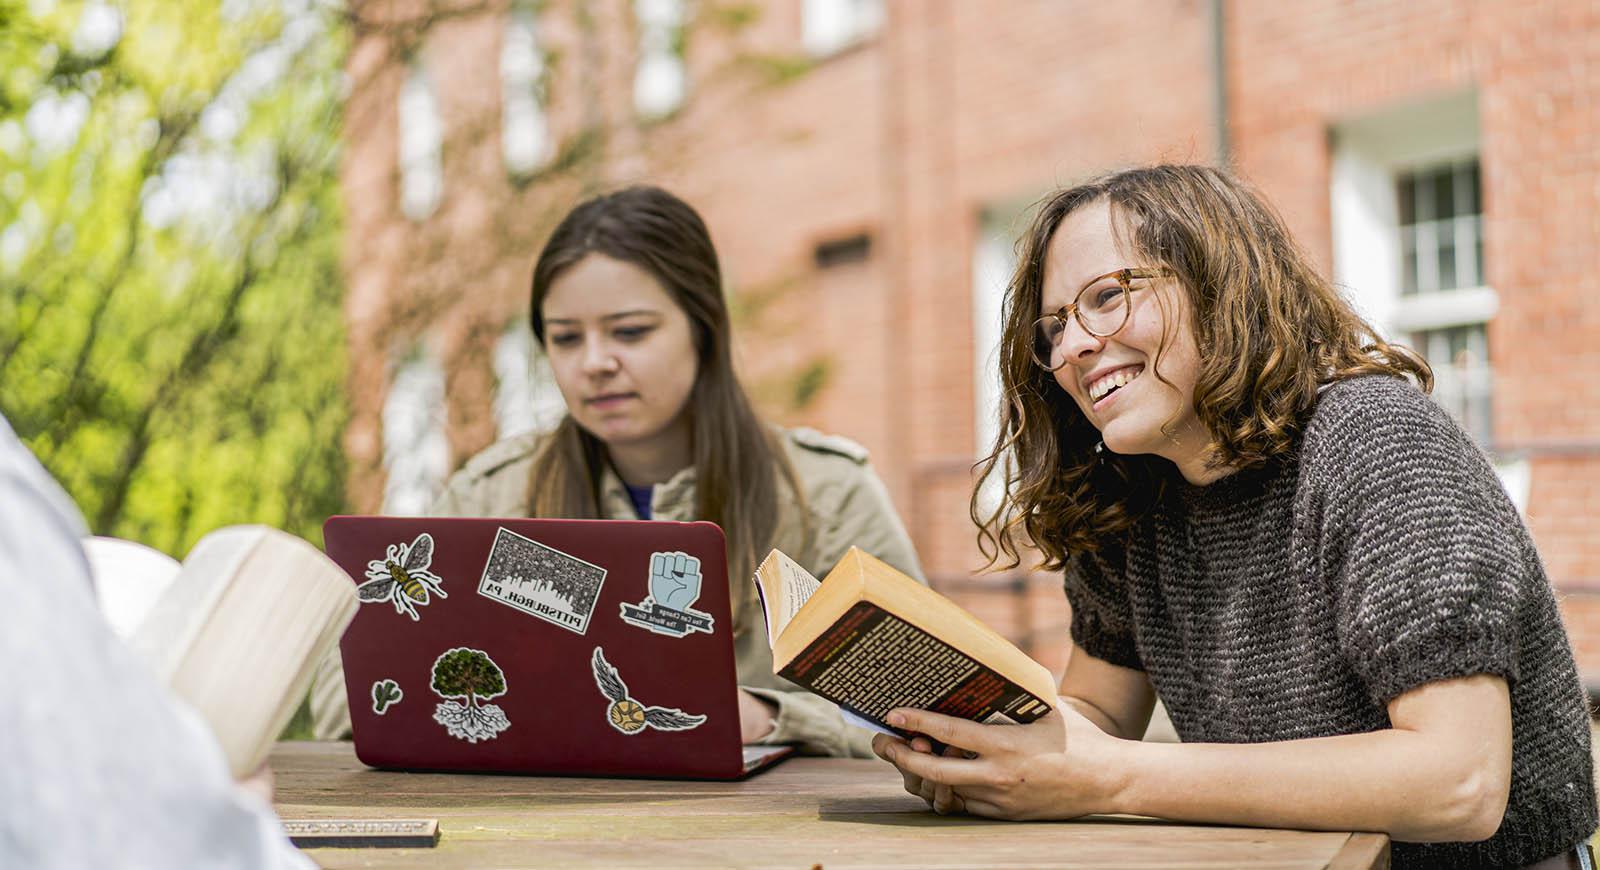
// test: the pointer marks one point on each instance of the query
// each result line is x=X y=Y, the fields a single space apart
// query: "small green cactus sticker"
x=385 y=694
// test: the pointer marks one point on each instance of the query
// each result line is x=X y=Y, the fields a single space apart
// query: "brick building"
x=865 y=165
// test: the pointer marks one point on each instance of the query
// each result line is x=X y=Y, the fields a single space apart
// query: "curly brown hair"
x=1269 y=329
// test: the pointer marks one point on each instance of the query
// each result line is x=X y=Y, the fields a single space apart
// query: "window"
x=421 y=175
x=1463 y=381
x=1441 y=238
x=661 y=79
x=830 y=26
x=1408 y=225
x=416 y=454
x=1441 y=255
x=993 y=260
x=843 y=251
x=526 y=398
x=525 y=139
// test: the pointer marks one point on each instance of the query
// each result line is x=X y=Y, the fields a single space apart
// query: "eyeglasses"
x=1101 y=309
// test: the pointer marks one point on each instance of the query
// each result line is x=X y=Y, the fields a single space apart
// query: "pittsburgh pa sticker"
x=465 y=678
x=674 y=585
x=402 y=577
x=540 y=581
x=385 y=694
x=629 y=716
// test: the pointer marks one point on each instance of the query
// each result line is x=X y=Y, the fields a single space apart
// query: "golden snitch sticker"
x=402 y=577
x=629 y=716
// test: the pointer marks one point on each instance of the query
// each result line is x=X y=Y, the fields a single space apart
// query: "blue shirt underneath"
x=640 y=496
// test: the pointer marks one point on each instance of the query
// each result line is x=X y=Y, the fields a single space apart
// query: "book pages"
x=784 y=588
x=240 y=632
x=129 y=578
x=170 y=627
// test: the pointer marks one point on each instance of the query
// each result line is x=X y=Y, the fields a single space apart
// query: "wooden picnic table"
x=804 y=813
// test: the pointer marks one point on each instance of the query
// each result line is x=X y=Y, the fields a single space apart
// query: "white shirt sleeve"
x=102 y=766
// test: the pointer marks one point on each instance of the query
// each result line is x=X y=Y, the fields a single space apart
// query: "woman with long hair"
x=1265 y=523
x=628 y=307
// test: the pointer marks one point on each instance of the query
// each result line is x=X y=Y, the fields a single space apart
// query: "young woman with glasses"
x=1266 y=524
x=628 y=306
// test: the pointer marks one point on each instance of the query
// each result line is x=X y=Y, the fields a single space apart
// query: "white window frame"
x=526 y=398
x=1370 y=154
x=830 y=26
x=525 y=141
x=416 y=446
x=421 y=140
x=1426 y=233
x=994 y=258
x=661 y=77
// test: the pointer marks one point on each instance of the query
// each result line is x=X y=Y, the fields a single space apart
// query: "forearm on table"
x=813 y=723
x=1103 y=720
x=1399 y=782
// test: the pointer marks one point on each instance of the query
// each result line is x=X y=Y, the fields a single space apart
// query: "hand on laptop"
x=757 y=718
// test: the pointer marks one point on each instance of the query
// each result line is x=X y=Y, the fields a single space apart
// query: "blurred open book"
x=235 y=631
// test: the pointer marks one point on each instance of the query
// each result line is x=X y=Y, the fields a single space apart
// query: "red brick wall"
x=1536 y=70
x=953 y=109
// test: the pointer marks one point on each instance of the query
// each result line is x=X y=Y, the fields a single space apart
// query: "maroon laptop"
x=592 y=647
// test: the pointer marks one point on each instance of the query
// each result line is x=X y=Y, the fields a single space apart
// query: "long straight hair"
x=1269 y=328
x=738 y=463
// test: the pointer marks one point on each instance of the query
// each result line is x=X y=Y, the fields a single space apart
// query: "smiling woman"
x=1265 y=523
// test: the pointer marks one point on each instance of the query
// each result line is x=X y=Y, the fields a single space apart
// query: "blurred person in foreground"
x=1265 y=523
x=628 y=306
x=103 y=767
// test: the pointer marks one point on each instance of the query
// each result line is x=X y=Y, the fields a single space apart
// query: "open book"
x=871 y=639
x=239 y=629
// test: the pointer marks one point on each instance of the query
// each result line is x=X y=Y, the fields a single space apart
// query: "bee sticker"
x=402 y=577
x=674 y=585
x=385 y=694
x=525 y=575
x=629 y=716
x=465 y=678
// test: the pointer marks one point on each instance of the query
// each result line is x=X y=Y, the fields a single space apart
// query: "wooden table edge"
x=1362 y=851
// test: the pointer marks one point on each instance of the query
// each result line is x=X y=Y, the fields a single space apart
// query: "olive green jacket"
x=847 y=506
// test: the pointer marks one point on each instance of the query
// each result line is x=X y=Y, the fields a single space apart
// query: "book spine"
x=871 y=661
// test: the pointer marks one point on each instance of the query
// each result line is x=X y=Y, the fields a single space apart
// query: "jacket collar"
x=673 y=500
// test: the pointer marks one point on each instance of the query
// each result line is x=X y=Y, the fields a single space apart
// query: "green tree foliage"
x=171 y=340
x=468 y=673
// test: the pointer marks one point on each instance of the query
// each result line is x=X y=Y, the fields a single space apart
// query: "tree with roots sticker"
x=469 y=675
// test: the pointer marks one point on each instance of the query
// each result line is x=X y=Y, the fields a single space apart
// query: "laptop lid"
x=599 y=647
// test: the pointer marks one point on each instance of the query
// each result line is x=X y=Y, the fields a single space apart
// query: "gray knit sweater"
x=1296 y=600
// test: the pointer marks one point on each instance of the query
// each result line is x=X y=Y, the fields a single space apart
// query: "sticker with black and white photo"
x=541 y=581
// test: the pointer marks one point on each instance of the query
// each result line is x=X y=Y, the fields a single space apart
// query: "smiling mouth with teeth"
x=1111 y=383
